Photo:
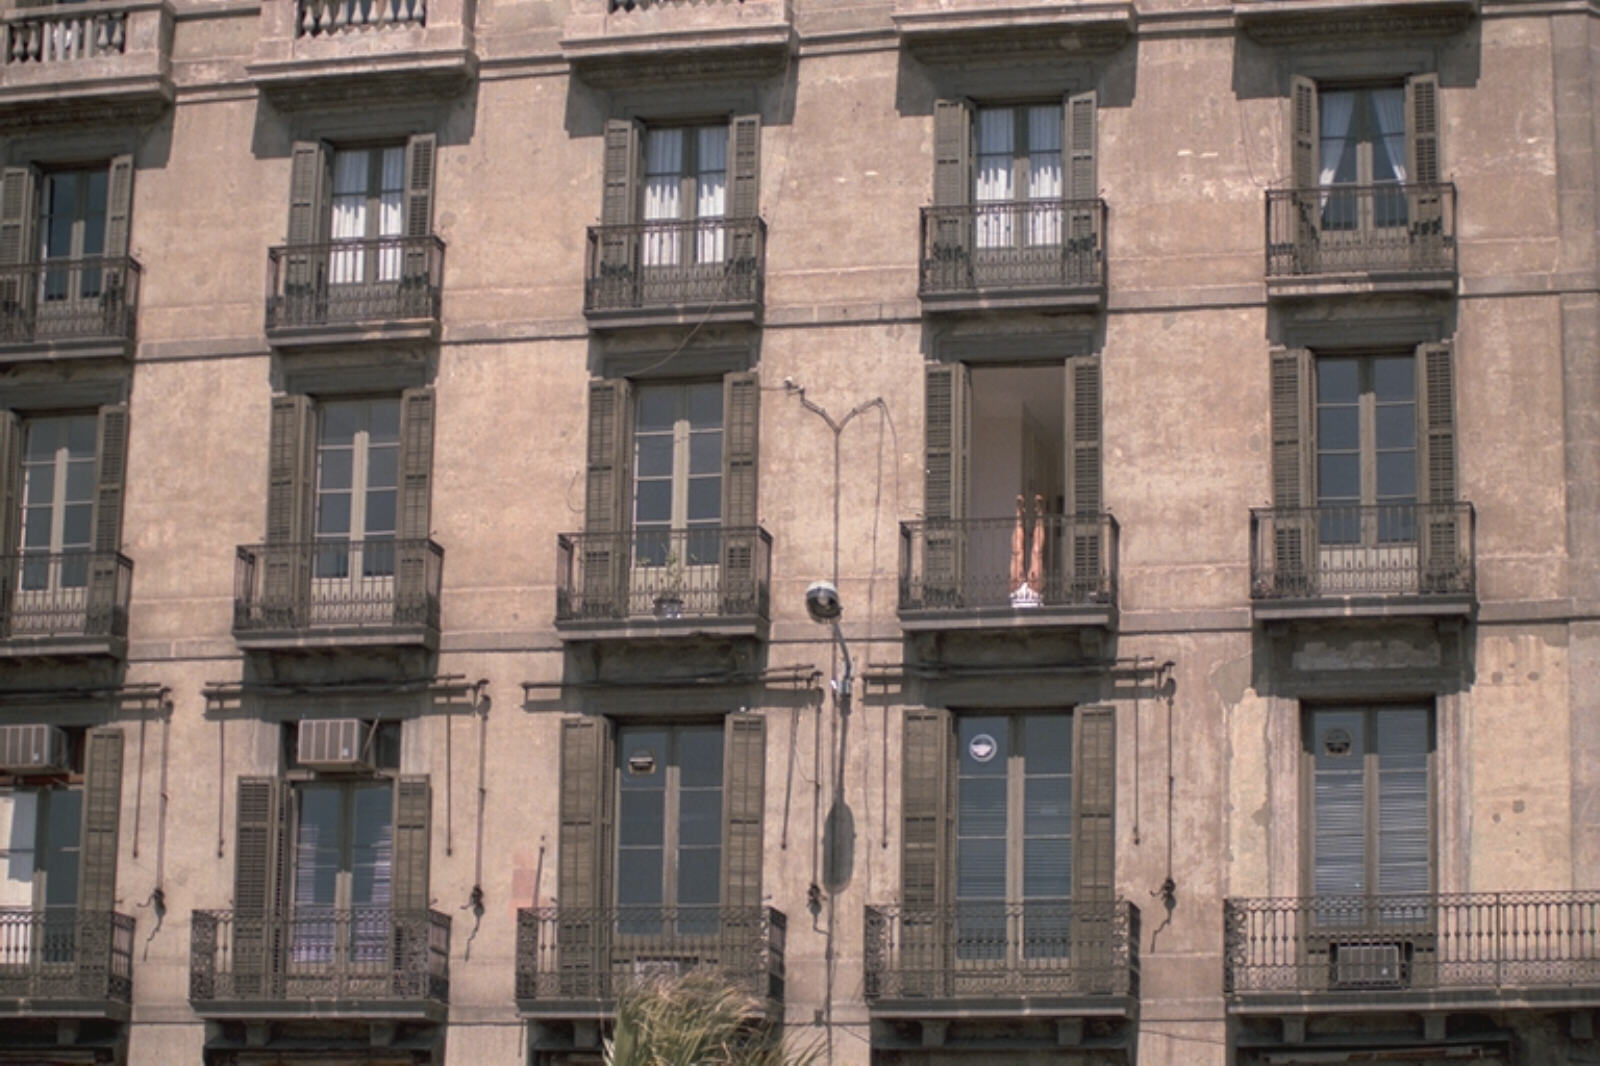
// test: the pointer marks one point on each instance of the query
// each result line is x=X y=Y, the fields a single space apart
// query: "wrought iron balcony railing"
x=1370 y=946
x=973 y=951
x=94 y=299
x=1355 y=550
x=703 y=263
x=376 y=584
x=61 y=954
x=324 y=18
x=351 y=283
x=64 y=595
x=973 y=563
x=707 y=572
x=1395 y=228
x=64 y=33
x=320 y=955
x=1014 y=246
x=567 y=955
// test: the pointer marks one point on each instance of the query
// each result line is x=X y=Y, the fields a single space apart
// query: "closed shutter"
x=948 y=392
x=18 y=197
x=310 y=209
x=1338 y=803
x=926 y=805
x=583 y=921
x=1293 y=454
x=607 y=500
x=744 y=191
x=110 y=473
x=119 y=215
x=1444 y=555
x=1304 y=149
x=291 y=460
x=1424 y=170
x=741 y=418
x=1086 y=564
x=1094 y=845
x=1404 y=845
x=102 y=807
x=260 y=856
x=10 y=509
x=744 y=782
x=619 y=245
x=950 y=236
x=413 y=591
x=1079 y=146
x=419 y=181
x=413 y=804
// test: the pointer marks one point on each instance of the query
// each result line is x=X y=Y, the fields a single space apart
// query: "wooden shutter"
x=261 y=846
x=583 y=921
x=413 y=805
x=1304 y=150
x=1080 y=115
x=741 y=410
x=607 y=498
x=948 y=433
x=1338 y=802
x=1423 y=167
x=291 y=460
x=419 y=181
x=119 y=206
x=743 y=782
x=744 y=190
x=102 y=810
x=1094 y=844
x=927 y=803
x=310 y=209
x=1443 y=553
x=10 y=497
x=18 y=203
x=1293 y=456
x=1402 y=794
x=110 y=473
x=1083 y=480
x=624 y=163
x=949 y=233
x=413 y=588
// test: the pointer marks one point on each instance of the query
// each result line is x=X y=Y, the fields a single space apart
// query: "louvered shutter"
x=10 y=509
x=413 y=591
x=743 y=782
x=1304 y=149
x=744 y=192
x=926 y=804
x=119 y=216
x=950 y=232
x=1403 y=852
x=18 y=204
x=583 y=921
x=260 y=857
x=619 y=243
x=1423 y=167
x=1338 y=803
x=413 y=805
x=1086 y=563
x=291 y=458
x=419 y=182
x=1094 y=844
x=102 y=807
x=741 y=417
x=310 y=209
x=1294 y=522
x=1080 y=113
x=1444 y=556
x=946 y=447
x=607 y=500
x=110 y=474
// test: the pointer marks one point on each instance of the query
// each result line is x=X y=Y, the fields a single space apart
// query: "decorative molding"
x=124 y=102
x=721 y=61
x=363 y=82
x=975 y=46
x=1276 y=22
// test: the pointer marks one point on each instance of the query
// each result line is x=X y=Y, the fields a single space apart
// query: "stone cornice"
x=1279 y=22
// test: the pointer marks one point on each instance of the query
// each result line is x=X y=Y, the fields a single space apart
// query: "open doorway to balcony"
x=1017 y=449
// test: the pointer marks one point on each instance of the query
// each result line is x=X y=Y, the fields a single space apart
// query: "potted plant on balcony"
x=699 y=1018
x=669 y=600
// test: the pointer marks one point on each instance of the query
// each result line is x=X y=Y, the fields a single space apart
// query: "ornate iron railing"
x=64 y=594
x=1013 y=245
x=354 y=282
x=971 y=563
x=64 y=33
x=1000 y=950
x=577 y=953
x=91 y=299
x=614 y=6
x=705 y=572
x=694 y=263
x=379 y=583
x=1368 y=944
x=319 y=953
x=1388 y=549
x=64 y=954
x=1338 y=229
x=323 y=18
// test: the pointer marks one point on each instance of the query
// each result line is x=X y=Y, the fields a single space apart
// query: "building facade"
x=421 y=424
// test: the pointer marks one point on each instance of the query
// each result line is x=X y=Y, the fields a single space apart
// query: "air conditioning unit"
x=1369 y=965
x=33 y=749
x=333 y=744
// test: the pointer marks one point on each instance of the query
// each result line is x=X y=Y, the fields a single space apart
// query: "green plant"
x=696 y=1019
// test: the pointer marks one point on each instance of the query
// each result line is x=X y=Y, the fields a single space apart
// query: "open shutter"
x=1423 y=168
x=1304 y=148
x=310 y=208
x=1086 y=564
x=583 y=922
x=1094 y=845
x=1443 y=553
x=949 y=233
x=413 y=601
x=619 y=243
x=291 y=459
x=1293 y=454
x=607 y=500
x=1080 y=113
x=926 y=802
x=97 y=857
x=110 y=472
x=10 y=507
x=413 y=805
x=119 y=214
x=944 y=502
x=260 y=855
x=744 y=782
x=18 y=202
x=420 y=149
x=741 y=410
x=744 y=194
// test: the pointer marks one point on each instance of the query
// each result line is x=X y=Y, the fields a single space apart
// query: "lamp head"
x=822 y=602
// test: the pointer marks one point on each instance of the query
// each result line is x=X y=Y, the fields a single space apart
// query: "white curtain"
x=391 y=213
x=712 y=186
x=1044 y=175
x=994 y=180
x=1337 y=109
x=663 y=194
x=349 y=221
x=1390 y=105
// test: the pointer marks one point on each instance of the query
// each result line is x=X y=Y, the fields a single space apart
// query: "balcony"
x=1047 y=254
x=384 y=290
x=964 y=573
x=1491 y=951
x=712 y=580
x=64 y=605
x=97 y=61
x=1362 y=560
x=353 y=53
x=331 y=594
x=692 y=272
x=69 y=309
x=573 y=961
x=61 y=963
x=1009 y=31
x=367 y=962
x=629 y=43
x=998 y=959
x=1344 y=239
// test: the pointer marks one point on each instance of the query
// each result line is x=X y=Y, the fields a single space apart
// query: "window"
x=57 y=502
x=1018 y=160
x=685 y=178
x=1366 y=410
x=358 y=445
x=669 y=827
x=72 y=225
x=677 y=470
x=368 y=205
x=1367 y=148
x=343 y=862
x=63 y=235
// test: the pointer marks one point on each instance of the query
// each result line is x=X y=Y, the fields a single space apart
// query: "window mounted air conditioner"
x=1369 y=965
x=333 y=744
x=33 y=749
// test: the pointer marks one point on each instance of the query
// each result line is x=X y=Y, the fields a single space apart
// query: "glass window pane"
x=372 y=847
x=81 y=433
x=80 y=480
x=981 y=807
x=334 y=468
x=36 y=528
x=317 y=845
x=1046 y=869
x=380 y=512
x=1394 y=378
x=383 y=467
x=41 y=484
x=639 y=877
x=1397 y=475
x=705 y=406
x=658 y=409
x=1397 y=425
x=981 y=868
x=1047 y=744
x=641 y=817
x=653 y=502
x=1338 y=380
x=384 y=422
x=700 y=757
x=42 y=439
x=61 y=847
x=642 y=755
x=984 y=745
x=339 y=422
x=699 y=875
x=705 y=453
x=333 y=513
x=653 y=455
x=1338 y=427
x=705 y=499
x=700 y=816
x=1047 y=806
x=1338 y=477
x=75 y=526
